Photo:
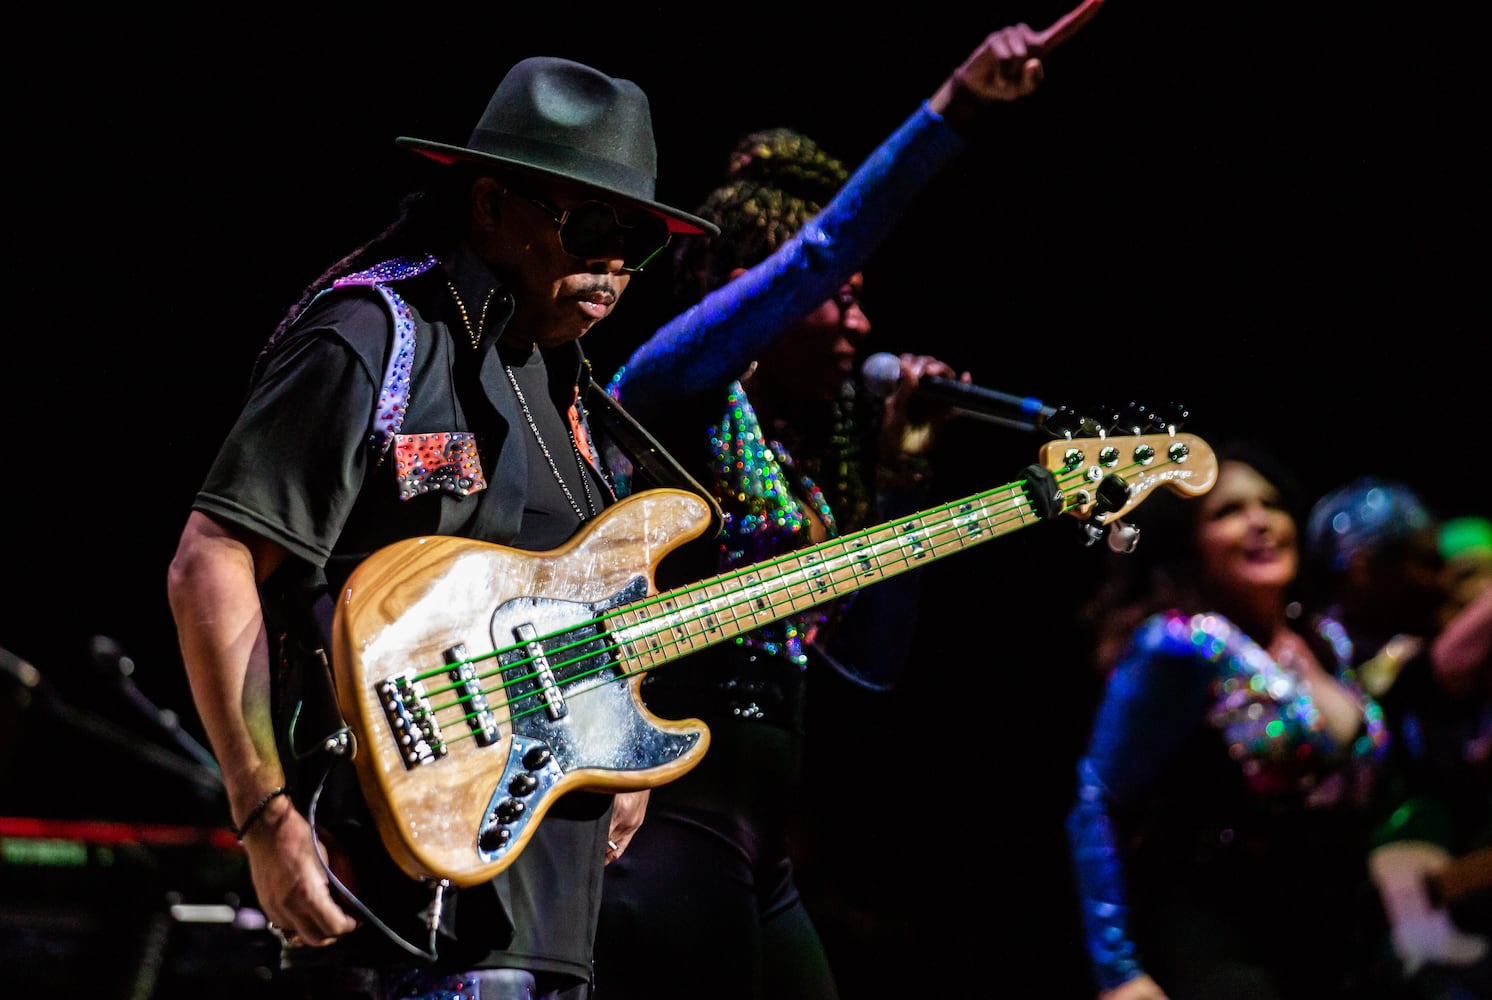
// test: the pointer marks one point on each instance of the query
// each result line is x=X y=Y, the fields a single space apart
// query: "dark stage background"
x=1275 y=216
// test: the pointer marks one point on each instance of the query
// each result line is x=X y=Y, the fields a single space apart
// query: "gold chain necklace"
x=474 y=334
x=585 y=478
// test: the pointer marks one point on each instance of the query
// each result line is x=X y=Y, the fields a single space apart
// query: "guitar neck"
x=680 y=621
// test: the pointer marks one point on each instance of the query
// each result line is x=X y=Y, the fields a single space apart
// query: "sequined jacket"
x=1205 y=760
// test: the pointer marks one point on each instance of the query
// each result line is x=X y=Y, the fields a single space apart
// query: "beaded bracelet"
x=258 y=811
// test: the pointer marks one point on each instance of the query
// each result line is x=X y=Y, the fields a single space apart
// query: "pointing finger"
x=1068 y=24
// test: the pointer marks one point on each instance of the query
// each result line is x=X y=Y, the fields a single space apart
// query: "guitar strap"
x=652 y=465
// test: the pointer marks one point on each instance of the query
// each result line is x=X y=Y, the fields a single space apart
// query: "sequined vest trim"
x=393 y=397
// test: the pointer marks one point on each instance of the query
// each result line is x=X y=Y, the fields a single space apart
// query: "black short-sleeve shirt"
x=298 y=467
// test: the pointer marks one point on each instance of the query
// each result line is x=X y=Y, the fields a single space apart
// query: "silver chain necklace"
x=585 y=478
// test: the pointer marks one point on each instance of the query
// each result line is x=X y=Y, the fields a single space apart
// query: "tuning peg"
x=1123 y=538
x=1111 y=494
x=1172 y=416
x=1101 y=419
x=1136 y=418
x=1064 y=423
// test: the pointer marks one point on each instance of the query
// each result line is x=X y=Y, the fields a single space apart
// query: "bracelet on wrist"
x=257 y=813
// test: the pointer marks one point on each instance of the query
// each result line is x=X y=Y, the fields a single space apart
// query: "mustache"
x=595 y=285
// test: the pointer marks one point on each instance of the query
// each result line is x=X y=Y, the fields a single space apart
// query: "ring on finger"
x=287 y=938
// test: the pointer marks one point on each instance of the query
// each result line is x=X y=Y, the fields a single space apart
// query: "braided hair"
x=777 y=180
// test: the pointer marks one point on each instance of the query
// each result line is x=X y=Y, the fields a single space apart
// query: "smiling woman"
x=1230 y=764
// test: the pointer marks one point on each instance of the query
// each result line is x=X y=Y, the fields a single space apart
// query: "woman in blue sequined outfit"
x=1219 y=831
x=754 y=388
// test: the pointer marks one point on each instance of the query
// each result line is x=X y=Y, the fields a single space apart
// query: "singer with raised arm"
x=754 y=387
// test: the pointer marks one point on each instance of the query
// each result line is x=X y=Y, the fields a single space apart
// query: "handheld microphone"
x=882 y=373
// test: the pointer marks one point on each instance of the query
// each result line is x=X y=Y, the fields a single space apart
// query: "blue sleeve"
x=712 y=342
x=1153 y=702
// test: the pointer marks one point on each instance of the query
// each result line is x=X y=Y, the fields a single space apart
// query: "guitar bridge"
x=411 y=720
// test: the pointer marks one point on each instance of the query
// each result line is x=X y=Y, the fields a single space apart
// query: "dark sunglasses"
x=590 y=229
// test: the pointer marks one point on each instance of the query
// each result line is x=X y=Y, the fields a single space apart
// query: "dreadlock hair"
x=430 y=219
x=778 y=179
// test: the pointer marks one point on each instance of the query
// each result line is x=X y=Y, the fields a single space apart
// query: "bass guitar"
x=480 y=683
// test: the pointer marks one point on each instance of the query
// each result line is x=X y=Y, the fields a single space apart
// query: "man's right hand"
x=290 y=881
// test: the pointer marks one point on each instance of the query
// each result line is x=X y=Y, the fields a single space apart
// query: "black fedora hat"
x=564 y=119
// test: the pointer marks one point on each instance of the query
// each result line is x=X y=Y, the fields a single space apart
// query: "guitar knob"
x=537 y=758
x=523 y=784
x=494 y=837
x=508 y=810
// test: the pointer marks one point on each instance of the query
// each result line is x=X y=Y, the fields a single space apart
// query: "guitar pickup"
x=543 y=673
x=411 y=720
x=479 y=716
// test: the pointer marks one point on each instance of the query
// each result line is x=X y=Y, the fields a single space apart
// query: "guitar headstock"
x=1100 y=479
